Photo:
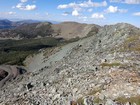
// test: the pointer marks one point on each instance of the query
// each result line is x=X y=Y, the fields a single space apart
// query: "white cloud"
x=28 y=7
x=23 y=1
x=63 y=6
x=93 y=4
x=19 y=6
x=84 y=4
x=127 y=1
x=90 y=10
x=97 y=16
x=78 y=7
x=114 y=9
x=132 y=1
x=136 y=14
x=75 y=13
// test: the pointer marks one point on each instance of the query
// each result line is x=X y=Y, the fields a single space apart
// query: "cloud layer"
x=22 y=6
x=85 y=4
x=23 y=1
x=83 y=10
x=127 y=1
x=78 y=7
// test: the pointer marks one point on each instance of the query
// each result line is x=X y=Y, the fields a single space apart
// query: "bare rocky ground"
x=69 y=30
x=102 y=69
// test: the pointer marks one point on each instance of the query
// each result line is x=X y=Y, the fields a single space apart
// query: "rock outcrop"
x=8 y=72
x=102 y=69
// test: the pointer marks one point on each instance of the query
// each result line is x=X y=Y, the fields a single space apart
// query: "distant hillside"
x=37 y=29
x=70 y=30
x=18 y=23
x=26 y=30
x=4 y=24
x=34 y=29
x=7 y=24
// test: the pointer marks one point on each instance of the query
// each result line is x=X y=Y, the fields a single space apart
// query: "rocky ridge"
x=102 y=69
x=69 y=30
x=65 y=30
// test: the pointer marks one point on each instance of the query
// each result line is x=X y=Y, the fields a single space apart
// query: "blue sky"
x=85 y=11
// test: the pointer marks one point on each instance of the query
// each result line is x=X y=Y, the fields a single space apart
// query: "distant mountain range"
x=8 y=24
x=34 y=29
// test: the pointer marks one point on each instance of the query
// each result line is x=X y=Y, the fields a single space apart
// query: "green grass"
x=27 y=44
x=14 y=52
x=14 y=57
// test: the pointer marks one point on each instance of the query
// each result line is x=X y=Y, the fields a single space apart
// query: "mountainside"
x=66 y=30
x=7 y=24
x=4 y=24
x=27 y=30
x=27 y=22
x=100 y=69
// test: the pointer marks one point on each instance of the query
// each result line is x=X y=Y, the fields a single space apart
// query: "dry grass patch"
x=132 y=43
x=110 y=64
x=123 y=100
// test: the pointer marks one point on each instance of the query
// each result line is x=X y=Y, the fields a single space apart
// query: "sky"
x=100 y=12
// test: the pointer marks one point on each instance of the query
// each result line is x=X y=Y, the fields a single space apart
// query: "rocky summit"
x=102 y=68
